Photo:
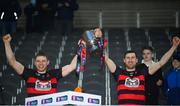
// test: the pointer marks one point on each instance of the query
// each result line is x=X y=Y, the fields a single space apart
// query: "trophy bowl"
x=93 y=43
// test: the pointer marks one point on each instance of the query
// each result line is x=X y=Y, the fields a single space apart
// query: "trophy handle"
x=81 y=66
x=79 y=87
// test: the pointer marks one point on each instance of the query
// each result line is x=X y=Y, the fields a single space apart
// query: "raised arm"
x=154 y=67
x=66 y=70
x=110 y=64
x=18 y=67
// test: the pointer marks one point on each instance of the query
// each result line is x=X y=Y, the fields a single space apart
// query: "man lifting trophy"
x=92 y=43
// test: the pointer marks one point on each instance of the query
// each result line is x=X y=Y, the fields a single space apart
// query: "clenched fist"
x=175 y=41
x=7 y=38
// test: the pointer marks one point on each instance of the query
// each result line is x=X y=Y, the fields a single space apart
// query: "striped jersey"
x=131 y=85
x=40 y=84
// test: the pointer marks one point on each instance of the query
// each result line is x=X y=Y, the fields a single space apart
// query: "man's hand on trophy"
x=98 y=32
x=81 y=41
x=81 y=44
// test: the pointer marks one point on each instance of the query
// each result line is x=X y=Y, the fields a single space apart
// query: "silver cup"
x=91 y=42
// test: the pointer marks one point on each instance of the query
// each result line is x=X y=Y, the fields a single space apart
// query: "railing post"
x=177 y=19
x=138 y=20
x=100 y=20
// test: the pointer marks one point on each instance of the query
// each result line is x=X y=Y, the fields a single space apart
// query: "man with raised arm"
x=131 y=80
x=41 y=80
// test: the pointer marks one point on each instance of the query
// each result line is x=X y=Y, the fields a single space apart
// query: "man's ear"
x=153 y=55
x=48 y=62
x=34 y=61
x=137 y=60
x=123 y=60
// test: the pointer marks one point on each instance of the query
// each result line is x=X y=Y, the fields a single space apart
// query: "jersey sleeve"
x=56 y=73
x=27 y=73
x=117 y=72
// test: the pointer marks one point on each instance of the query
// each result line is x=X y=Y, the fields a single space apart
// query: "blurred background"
x=55 y=26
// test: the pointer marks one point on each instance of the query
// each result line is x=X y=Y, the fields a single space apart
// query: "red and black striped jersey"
x=40 y=84
x=131 y=85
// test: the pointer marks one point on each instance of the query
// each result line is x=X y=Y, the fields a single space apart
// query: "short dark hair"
x=130 y=51
x=148 y=48
x=41 y=53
